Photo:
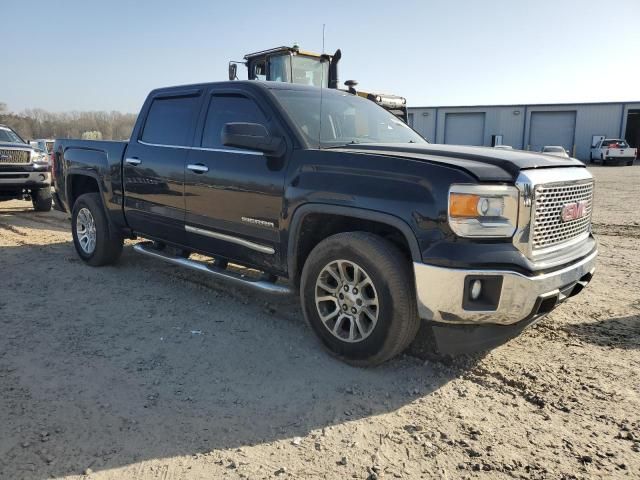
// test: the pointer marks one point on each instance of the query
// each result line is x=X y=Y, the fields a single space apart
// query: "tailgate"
x=620 y=152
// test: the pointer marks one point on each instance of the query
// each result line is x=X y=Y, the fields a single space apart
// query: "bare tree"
x=38 y=123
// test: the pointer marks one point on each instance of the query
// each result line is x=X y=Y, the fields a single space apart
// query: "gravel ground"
x=147 y=371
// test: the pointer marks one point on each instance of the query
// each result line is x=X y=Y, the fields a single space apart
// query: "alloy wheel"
x=347 y=301
x=86 y=230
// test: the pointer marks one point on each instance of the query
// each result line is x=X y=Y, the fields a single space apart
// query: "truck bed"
x=101 y=159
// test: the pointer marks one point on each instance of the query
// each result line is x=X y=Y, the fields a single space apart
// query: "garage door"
x=464 y=128
x=552 y=128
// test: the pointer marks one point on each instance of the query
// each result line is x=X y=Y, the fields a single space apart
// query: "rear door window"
x=227 y=108
x=170 y=121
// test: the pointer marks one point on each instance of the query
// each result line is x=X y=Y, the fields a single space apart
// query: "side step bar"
x=219 y=273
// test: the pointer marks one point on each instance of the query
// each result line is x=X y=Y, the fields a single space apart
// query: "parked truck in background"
x=44 y=144
x=24 y=171
x=613 y=150
x=325 y=193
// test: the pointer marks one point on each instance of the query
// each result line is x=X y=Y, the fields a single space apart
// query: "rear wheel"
x=357 y=295
x=41 y=199
x=629 y=163
x=95 y=241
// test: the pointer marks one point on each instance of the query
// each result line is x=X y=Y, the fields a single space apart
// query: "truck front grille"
x=548 y=227
x=13 y=156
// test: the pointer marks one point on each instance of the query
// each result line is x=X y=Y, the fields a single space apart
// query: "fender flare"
x=355 y=212
x=83 y=172
x=102 y=191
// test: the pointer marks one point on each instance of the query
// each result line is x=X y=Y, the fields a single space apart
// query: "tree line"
x=38 y=123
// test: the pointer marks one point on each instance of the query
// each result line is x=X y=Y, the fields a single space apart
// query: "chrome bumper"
x=17 y=178
x=440 y=292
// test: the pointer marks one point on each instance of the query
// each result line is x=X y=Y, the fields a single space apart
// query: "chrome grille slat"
x=8 y=156
x=548 y=228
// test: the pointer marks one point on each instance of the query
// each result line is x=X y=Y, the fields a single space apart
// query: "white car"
x=613 y=150
x=555 y=150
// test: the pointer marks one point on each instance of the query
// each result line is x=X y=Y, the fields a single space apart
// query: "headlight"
x=39 y=158
x=483 y=210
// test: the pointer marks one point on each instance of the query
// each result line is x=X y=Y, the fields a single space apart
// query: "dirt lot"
x=146 y=371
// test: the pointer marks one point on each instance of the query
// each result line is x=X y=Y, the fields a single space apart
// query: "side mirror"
x=233 y=71
x=252 y=136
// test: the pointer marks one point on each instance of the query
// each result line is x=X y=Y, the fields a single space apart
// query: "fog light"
x=476 y=289
x=41 y=177
x=482 y=293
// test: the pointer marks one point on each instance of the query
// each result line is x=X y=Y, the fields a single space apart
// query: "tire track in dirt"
x=497 y=381
x=617 y=230
x=13 y=229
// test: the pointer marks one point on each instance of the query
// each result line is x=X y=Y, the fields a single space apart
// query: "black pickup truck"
x=325 y=193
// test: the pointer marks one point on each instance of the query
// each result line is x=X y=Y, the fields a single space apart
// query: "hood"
x=485 y=163
x=16 y=145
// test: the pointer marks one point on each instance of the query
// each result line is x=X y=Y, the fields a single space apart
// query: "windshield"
x=299 y=69
x=310 y=71
x=280 y=68
x=346 y=119
x=8 y=135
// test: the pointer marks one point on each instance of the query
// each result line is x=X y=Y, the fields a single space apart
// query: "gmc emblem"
x=574 y=211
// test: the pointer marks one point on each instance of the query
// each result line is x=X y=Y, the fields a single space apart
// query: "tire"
x=629 y=163
x=390 y=283
x=107 y=244
x=42 y=199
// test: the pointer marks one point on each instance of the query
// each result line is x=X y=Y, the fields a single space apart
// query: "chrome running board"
x=219 y=273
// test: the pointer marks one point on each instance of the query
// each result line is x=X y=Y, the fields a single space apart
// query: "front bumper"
x=442 y=292
x=18 y=179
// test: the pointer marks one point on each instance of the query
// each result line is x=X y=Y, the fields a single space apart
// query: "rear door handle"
x=198 y=168
x=133 y=161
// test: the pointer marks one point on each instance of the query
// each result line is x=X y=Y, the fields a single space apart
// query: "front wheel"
x=42 y=200
x=357 y=295
x=93 y=237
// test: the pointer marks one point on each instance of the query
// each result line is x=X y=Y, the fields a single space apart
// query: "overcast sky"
x=106 y=55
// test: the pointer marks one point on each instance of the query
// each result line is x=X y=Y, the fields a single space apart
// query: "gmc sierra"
x=326 y=193
x=24 y=171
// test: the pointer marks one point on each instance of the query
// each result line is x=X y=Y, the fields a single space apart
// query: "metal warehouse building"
x=530 y=127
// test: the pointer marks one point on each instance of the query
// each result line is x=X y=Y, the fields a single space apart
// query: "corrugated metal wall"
x=514 y=123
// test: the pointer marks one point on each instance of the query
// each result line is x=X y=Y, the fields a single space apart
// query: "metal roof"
x=563 y=104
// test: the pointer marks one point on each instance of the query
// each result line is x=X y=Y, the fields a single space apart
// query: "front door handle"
x=133 y=161
x=198 y=168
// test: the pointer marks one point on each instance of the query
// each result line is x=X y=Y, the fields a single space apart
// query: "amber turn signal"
x=463 y=205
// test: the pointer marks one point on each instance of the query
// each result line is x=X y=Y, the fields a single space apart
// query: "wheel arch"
x=354 y=219
x=80 y=182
